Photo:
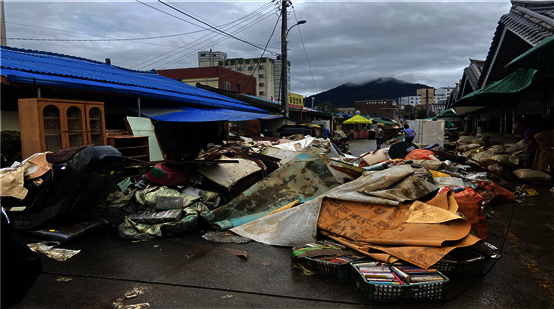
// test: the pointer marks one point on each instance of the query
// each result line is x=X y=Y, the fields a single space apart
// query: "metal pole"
x=313 y=98
x=284 y=92
x=138 y=102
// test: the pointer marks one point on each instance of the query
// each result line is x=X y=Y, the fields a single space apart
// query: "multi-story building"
x=442 y=94
x=266 y=70
x=410 y=100
x=427 y=96
x=216 y=77
x=381 y=107
x=210 y=58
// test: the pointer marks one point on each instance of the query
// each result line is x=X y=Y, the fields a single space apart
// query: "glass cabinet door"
x=96 y=127
x=75 y=129
x=52 y=128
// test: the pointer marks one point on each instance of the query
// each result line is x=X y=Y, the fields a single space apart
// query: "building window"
x=261 y=67
x=388 y=112
x=202 y=55
x=262 y=85
x=374 y=113
x=226 y=85
x=262 y=93
x=250 y=68
x=238 y=88
x=261 y=76
x=239 y=69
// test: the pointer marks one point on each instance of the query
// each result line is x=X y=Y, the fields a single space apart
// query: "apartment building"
x=266 y=70
x=426 y=95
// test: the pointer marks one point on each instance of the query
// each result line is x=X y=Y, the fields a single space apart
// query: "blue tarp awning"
x=190 y=114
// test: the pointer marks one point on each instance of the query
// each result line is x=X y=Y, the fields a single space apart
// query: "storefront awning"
x=190 y=114
x=513 y=83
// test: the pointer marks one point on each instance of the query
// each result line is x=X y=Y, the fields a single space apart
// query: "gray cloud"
x=420 y=42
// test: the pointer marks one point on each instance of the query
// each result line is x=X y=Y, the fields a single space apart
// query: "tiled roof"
x=45 y=68
x=473 y=72
x=530 y=21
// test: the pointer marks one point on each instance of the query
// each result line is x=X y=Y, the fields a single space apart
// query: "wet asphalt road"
x=190 y=272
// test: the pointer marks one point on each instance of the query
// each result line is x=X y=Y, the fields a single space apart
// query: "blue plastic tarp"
x=51 y=69
x=191 y=114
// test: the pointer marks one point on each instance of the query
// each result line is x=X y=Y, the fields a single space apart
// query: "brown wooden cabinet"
x=134 y=148
x=54 y=124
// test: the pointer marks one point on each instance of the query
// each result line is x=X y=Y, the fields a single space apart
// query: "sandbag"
x=497 y=149
x=527 y=174
x=431 y=164
x=468 y=147
x=505 y=160
x=469 y=204
x=516 y=147
x=504 y=173
x=485 y=157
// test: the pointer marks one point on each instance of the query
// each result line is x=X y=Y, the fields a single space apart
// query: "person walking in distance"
x=380 y=135
x=409 y=134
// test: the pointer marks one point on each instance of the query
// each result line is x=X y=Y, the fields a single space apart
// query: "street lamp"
x=300 y=22
x=284 y=65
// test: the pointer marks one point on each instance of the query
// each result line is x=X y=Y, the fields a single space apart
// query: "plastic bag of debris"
x=149 y=197
x=210 y=199
x=188 y=220
x=116 y=207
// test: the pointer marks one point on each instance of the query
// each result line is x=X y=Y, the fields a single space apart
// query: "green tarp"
x=513 y=83
x=382 y=121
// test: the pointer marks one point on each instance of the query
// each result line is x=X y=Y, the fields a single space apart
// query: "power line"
x=60 y=30
x=248 y=16
x=107 y=40
x=216 y=42
x=235 y=37
x=270 y=37
x=304 y=46
x=212 y=35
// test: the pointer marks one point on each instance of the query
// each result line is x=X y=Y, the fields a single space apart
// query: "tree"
x=422 y=113
x=328 y=109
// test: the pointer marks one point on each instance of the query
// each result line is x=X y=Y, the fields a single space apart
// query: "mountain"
x=382 y=88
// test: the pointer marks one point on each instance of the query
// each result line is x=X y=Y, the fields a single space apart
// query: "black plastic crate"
x=337 y=272
x=472 y=264
x=397 y=293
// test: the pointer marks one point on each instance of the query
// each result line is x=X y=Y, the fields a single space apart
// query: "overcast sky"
x=343 y=41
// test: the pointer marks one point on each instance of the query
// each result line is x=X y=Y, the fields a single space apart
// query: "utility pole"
x=4 y=40
x=284 y=89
